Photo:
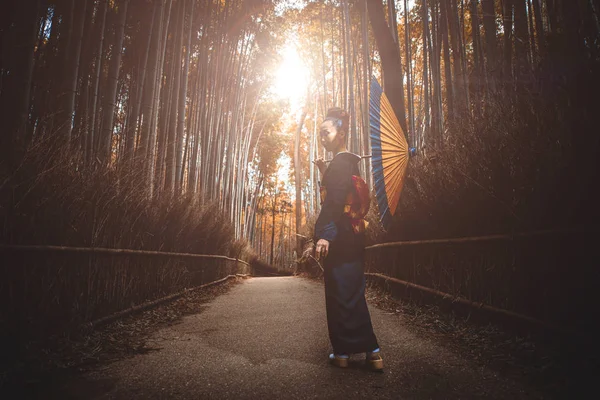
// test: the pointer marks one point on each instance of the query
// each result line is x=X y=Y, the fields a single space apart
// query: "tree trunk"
x=352 y=131
x=298 y=179
x=182 y=105
x=273 y=209
x=86 y=62
x=160 y=105
x=477 y=58
x=15 y=85
x=521 y=39
x=171 y=142
x=110 y=97
x=90 y=139
x=148 y=139
x=390 y=60
x=200 y=132
x=343 y=42
x=323 y=65
x=507 y=13
x=436 y=103
x=489 y=26
x=72 y=71
x=367 y=78
x=531 y=28
x=409 y=78
x=552 y=11
x=456 y=44
x=392 y=19
x=447 y=62
x=136 y=117
x=539 y=28
x=425 y=19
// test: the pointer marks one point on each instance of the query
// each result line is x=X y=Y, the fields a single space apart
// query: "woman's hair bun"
x=340 y=114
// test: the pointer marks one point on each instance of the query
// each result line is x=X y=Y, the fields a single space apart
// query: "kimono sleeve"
x=337 y=182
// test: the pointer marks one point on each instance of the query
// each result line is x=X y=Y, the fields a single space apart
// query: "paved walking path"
x=267 y=339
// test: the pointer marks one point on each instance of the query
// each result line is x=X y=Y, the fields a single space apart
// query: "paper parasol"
x=390 y=153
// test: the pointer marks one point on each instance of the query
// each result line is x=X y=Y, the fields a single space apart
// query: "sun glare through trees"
x=192 y=126
x=292 y=78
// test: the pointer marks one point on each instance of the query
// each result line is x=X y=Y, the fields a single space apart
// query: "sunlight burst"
x=292 y=77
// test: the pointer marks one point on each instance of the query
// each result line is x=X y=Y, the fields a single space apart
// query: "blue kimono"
x=348 y=318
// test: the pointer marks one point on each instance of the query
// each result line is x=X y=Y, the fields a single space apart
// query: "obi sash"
x=356 y=205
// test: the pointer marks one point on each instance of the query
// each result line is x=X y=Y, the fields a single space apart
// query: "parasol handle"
x=411 y=152
x=365 y=156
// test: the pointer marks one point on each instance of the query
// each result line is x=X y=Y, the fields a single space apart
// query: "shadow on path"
x=267 y=339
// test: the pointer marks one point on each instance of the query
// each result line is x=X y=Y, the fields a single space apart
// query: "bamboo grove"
x=175 y=90
x=499 y=99
x=168 y=88
x=442 y=60
x=451 y=68
x=148 y=124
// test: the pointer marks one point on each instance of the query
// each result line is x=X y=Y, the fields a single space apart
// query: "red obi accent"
x=357 y=203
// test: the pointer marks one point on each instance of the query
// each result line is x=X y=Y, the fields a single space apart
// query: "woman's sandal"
x=374 y=362
x=340 y=361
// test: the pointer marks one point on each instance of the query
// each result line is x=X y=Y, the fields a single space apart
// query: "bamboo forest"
x=158 y=157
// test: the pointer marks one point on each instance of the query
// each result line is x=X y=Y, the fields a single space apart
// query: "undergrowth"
x=49 y=200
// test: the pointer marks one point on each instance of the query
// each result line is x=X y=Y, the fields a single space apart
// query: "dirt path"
x=267 y=339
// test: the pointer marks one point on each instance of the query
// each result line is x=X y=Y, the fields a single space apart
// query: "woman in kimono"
x=340 y=243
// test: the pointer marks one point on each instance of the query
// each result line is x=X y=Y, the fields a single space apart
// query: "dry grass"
x=530 y=162
x=48 y=200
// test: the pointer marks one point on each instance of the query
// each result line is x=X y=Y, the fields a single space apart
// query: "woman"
x=340 y=243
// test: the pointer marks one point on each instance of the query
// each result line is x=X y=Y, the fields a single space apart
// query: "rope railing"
x=479 y=306
x=5 y=248
x=108 y=251
x=461 y=298
x=476 y=238
x=154 y=303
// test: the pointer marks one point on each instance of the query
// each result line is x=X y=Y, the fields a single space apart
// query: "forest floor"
x=267 y=338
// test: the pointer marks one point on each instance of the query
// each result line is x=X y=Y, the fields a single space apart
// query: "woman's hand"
x=322 y=249
x=321 y=164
